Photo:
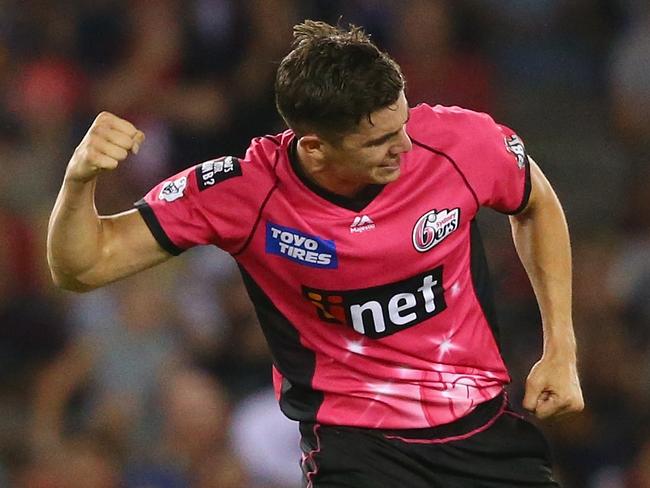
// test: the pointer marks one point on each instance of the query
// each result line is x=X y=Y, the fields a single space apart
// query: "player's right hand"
x=105 y=145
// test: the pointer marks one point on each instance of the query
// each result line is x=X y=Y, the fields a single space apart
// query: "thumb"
x=138 y=139
x=532 y=396
x=548 y=405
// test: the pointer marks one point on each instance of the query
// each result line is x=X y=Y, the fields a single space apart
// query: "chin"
x=387 y=174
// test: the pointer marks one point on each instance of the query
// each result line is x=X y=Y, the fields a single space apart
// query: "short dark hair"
x=332 y=79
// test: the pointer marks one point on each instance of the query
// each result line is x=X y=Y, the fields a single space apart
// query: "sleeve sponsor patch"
x=515 y=146
x=217 y=170
x=173 y=190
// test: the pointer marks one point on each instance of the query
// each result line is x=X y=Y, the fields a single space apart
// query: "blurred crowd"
x=163 y=380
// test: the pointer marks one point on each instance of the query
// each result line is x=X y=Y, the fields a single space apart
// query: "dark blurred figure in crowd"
x=106 y=379
x=441 y=57
x=194 y=450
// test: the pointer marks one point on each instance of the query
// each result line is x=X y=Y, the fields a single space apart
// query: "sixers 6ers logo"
x=433 y=227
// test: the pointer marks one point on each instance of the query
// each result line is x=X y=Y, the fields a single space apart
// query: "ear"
x=313 y=151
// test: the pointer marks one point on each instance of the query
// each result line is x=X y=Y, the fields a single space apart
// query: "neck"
x=327 y=180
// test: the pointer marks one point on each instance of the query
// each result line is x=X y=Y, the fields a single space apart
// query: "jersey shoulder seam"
x=274 y=187
x=454 y=164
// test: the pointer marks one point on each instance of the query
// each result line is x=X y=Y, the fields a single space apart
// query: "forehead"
x=382 y=121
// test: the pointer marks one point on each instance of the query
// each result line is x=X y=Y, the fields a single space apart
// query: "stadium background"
x=163 y=380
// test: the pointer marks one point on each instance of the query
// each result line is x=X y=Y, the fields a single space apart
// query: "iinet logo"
x=362 y=223
x=383 y=310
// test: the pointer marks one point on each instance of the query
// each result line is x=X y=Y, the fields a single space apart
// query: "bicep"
x=127 y=247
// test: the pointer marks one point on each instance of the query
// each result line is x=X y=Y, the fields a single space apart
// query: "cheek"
x=362 y=162
x=358 y=162
x=373 y=156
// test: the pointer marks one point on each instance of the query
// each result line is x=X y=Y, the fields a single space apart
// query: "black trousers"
x=492 y=447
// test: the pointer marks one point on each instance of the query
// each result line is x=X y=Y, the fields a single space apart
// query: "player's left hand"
x=553 y=388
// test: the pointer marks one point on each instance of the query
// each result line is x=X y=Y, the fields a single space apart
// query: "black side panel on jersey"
x=296 y=363
x=481 y=279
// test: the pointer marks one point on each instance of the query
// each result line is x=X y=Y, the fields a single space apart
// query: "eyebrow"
x=381 y=139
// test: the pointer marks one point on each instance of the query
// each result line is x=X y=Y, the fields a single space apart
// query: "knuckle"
x=104 y=163
x=95 y=141
x=532 y=383
x=90 y=152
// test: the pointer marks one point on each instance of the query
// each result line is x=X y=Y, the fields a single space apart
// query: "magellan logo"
x=382 y=310
x=361 y=223
x=433 y=227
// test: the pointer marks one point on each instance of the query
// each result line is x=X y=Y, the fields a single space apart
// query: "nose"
x=403 y=145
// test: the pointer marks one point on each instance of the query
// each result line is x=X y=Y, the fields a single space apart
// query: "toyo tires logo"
x=300 y=247
x=433 y=227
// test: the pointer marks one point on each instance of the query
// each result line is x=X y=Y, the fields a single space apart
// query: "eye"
x=382 y=140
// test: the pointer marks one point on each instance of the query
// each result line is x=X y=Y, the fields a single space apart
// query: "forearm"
x=541 y=238
x=85 y=251
x=74 y=234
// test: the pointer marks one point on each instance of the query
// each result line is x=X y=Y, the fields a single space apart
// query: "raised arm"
x=84 y=250
x=542 y=241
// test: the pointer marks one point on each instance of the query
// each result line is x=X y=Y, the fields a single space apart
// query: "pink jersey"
x=378 y=316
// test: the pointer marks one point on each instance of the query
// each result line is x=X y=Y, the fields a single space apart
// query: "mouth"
x=393 y=164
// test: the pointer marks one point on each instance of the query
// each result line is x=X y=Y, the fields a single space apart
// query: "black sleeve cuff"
x=156 y=229
x=527 y=188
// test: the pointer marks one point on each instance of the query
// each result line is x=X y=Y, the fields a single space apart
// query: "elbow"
x=66 y=282
x=67 y=277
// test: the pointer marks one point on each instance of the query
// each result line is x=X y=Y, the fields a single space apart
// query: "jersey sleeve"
x=502 y=179
x=210 y=203
x=491 y=157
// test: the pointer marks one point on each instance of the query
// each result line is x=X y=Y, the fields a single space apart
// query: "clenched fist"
x=553 y=388
x=107 y=142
